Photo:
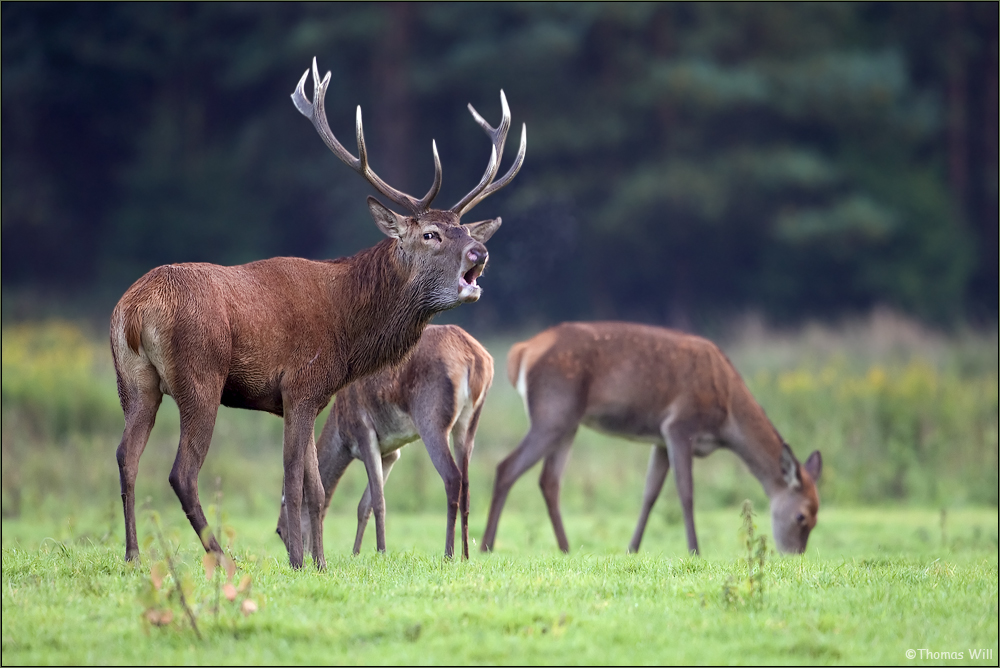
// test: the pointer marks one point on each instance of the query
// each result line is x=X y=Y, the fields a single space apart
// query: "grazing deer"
x=439 y=389
x=283 y=335
x=649 y=384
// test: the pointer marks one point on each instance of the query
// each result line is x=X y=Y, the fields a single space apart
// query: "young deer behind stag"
x=648 y=384
x=283 y=335
x=439 y=390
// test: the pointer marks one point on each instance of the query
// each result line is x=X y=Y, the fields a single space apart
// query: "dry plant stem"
x=218 y=529
x=177 y=582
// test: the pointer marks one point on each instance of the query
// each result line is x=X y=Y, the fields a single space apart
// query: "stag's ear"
x=391 y=223
x=484 y=229
x=790 y=467
x=814 y=465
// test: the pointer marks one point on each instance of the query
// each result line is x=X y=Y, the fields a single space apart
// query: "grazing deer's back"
x=624 y=377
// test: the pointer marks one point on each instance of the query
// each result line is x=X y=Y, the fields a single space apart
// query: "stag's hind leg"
x=197 y=424
x=140 y=398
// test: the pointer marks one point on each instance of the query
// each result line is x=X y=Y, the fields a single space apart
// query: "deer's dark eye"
x=431 y=235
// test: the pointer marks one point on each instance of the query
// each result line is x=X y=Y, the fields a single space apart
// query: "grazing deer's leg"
x=463 y=441
x=539 y=442
x=333 y=461
x=436 y=442
x=365 y=505
x=679 y=438
x=140 y=406
x=550 y=481
x=659 y=465
x=372 y=459
x=197 y=423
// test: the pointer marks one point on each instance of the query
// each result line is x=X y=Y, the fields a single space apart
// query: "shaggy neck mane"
x=389 y=310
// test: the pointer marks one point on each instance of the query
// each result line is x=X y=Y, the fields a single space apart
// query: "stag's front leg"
x=302 y=484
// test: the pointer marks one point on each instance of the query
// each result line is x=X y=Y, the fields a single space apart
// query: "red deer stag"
x=439 y=389
x=652 y=385
x=283 y=335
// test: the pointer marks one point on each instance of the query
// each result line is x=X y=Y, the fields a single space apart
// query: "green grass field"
x=874 y=584
x=904 y=556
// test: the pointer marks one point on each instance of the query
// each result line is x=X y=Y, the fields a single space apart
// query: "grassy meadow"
x=904 y=556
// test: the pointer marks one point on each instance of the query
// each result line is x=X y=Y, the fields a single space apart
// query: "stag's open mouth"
x=470 y=276
x=468 y=289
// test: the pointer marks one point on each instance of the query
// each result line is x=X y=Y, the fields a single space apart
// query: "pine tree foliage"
x=684 y=160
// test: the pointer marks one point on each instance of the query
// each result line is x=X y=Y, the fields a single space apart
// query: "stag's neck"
x=757 y=442
x=388 y=311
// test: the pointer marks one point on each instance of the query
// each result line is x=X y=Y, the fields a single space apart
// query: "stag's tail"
x=132 y=328
x=136 y=345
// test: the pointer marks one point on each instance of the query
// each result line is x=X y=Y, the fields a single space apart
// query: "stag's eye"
x=801 y=519
x=431 y=235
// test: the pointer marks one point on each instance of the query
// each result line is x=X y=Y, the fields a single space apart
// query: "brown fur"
x=283 y=335
x=279 y=335
x=653 y=385
x=438 y=390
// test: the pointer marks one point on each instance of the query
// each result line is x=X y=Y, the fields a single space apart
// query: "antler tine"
x=507 y=178
x=315 y=111
x=414 y=205
x=425 y=203
x=498 y=136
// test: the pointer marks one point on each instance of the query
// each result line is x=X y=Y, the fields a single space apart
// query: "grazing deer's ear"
x=790 y=467
x=484 y=229
x=391 y=223
x=814 y=465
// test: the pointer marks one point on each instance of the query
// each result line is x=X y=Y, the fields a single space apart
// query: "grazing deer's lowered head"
x=795 y=503
x=283 y=335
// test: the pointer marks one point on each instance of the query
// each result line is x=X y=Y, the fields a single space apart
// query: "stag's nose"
x=478 y=255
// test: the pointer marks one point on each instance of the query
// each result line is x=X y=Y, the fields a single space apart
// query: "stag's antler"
x=498 y=135
x=315 y=111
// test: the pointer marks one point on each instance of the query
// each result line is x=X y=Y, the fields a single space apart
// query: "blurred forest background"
x=813 y=185
x=685 y=161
